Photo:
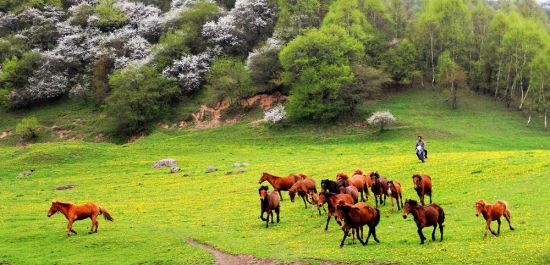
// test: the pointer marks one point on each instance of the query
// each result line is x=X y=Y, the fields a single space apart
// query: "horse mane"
x=416 y=176
x=375 y=174
x=263 y=188
x=342 y=175
x=481 y=202
x=390 y=182
x=61 y=203
x=358 y=172
x=412 y=202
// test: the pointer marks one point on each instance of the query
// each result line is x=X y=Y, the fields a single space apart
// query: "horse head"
x=480 y=205
x=407 y=208
x=264 y=177
x=390 y=187
x=417 y=180
x=53 y=209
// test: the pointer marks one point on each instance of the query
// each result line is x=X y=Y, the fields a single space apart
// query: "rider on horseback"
x=420 y=146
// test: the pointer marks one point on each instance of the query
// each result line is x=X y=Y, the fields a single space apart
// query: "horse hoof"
x=90 y=232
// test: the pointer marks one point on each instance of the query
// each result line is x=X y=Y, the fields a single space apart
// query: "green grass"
x=477 y=151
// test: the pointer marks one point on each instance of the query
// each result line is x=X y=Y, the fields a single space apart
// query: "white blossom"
x=189 y=70
x=381 y=119
x=275 y=114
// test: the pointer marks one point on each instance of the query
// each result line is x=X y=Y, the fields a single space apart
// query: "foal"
x=394 y=191
x=75 y=212
x=493 y=212
x=424 y=216
x=314 y=198
x=269 y=202
x=423 y=186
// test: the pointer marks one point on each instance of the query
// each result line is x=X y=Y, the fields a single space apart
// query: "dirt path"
x=223 y=258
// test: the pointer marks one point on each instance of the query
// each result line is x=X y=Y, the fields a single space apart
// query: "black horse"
x=330 y=186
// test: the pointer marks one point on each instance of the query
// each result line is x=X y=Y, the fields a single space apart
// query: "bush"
x=381 y=119
x=16 y=71
x=27 y=128
x=228 y=79
x=275 y=114
x=110 y=17
x=265 y=68
x=138 y=97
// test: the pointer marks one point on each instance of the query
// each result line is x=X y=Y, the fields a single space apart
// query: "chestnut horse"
x=314 y=198
x=332 y=199
x=492 y=212
x=302 y=187
x=280 y=183
x=74 y=212
x=269 y=202
x=379 y=188
x=394 y=191
x=423 y=186
x=424 y=216
x=362 y=182
x=355 y=217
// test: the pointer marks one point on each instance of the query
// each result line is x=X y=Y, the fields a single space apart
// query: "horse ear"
x=54 y=201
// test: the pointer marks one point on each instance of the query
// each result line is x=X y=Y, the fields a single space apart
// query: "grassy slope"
x=478 y=151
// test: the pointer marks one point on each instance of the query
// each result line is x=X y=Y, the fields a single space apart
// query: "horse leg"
x=401 y=196
x=70 y=228
x=328 y=219
x=384 y=199
x=498 y=230
x=346 y=230
x=368 y=236
x=422 y=199
x=433 y=233
x=277 y=211
x=280 y=195
x=391 y=200
x=376 y=200
x=374 y=234
x=304 y=199
x=94 y=224
x=271 y=213
x=422 y=237
x=507 y=216
x=430 y=194
x=362 y=197
x=441 y=231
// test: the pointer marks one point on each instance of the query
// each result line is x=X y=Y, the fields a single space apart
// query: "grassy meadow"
x=478 y=151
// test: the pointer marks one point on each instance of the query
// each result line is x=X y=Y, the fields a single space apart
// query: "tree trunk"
x=498 y=79
x=432 y=51
x=545 y=118
x=524 y=97
x=382 y=126
x=528 y=120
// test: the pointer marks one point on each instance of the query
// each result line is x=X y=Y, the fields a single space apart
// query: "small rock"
x=66 y=187
x=167 y=162
x=240 y=171
x=25 y=174
x=211 y=169
x=174 y=169
x=236 y=164
x=245 y=164
x=229 y=172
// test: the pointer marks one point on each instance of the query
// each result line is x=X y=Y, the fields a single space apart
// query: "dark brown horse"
x=394 y=191
x=269 y=202
x=280 y=183
x=74 y=212
x=492 y=212
x=424 y=216
x=423 y=186
x=355 y=217
x=332 y=200
x=379 y=188
x=302 y=187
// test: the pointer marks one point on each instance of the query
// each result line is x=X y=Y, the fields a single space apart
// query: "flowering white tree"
x=245 y=25
x=275 y=114
x=381 y=119
x=189 y=70
x=146 y=19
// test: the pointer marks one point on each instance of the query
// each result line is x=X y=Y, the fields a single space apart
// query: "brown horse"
x=362 y=182
x=424 y=216
x=423 y=186
x=302 y=187
x=379 y=188
x=314 y=199
x=280 y=183
x=74 y=212
x=492 y=212
x=394 y=191
x=332 y=199
x=269 y=202
x=351 y=190
x=355 y=217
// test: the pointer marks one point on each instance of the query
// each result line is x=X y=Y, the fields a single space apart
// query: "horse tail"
x=106 y=214
x=441 y=218
x=506 y=208
x=377 y=218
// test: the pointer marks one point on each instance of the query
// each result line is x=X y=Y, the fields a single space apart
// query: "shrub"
x=110 y=17
x=16 y=71
x=381 y=119
x=265 y=68
x=228 y=79
x=27 y=128
x=275 y=114
x=138 y=97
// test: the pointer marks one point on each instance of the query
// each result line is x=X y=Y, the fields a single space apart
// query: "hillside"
x=479 y=150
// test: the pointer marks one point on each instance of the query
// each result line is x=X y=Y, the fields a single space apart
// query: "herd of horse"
x=345 y=197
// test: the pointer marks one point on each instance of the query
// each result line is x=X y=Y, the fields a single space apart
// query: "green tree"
x=110 y=17
x=229 y=80
x=138 y=97
x=450 y=74
x=317 y=67
x=16 y=71
x=400 y=62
